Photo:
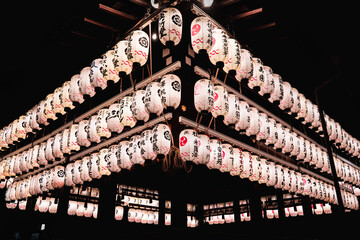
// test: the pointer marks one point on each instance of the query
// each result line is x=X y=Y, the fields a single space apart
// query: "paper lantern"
x=278 y=92
x=33 y=123
x=204 y=95
x=120 y=60
x=170 y=91
x=245 y=165
x=303 y=107
x=308 y=148
x=41 y=154
x=85 y=83
x=89 y=210
x=272 y=138
x=74 y=90
x=287 y=100
x=125 y=114
x=84 y=169
x=232 y=61
x=280 y=178
x=72 y=142
x=245 y=70
x=257 y=78
x=264 y=131
x=21 y=129
x=92 y=130
x=138 y=108
x=72 y=208
x=138 y=48
x=65 y=96
x=95 y=168
x=215 y=161
x=256 y=168
x=103 y=161
x=219 y=50
x=48 y=150
x=57 y=146
x=161 y=139
x=96 y=77
x=188 y=145
x=296 y=141
x=82 y=133
x=296 y=107
x=237 y=154
x=153 y=98
x=170 y=26
x=201 y=34
x=146 y=145
x=233 y=114
x=58 y=107
x=112 y=161
x=65 y=141
x=203 y=149
x=280 y=139
x=123 y=155
x=268 y=87
x=108 y=68
x=76 y=178
x=254 y=126
x=287 y=179
x=227 y=157
x=221 y=102
x=310 y=114
x=135 y=150
x=48 y=110
x=288 y=142
x=244 y=120
x=119 y=213
x=40 y=117
x=300 y=183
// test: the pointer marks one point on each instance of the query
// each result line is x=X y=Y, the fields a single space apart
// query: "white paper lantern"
x=48 y=150
x=85 y=83
x=310 y=114
x=121 y=63
x=74 y=90
x=161 y=139
x=201 y=34
x=119 y=213
x=296 y=107
x=245 y=70
x=84 y=169
x=188 y=145
x=227 y=157
x=95 y=168
x=268 y=86
x=138 y=47
x=280 y=178
x=245 y=165
x=170 y=91
x=219 y=50
x=125 y=114
x=65 y=141
x=244 y=120
x=103 y=157
x=65 y=96
x=233 y=114
x=76 y=178
x=146 y=145
x=296 y=141
x=278 y=92
x=92 y=130
x=89 y=210
x=271 y=176
x=108 y=68
x=153 y=98
x=272 y=138
x=96 y=77
x=235 y=171
x=113 y=119
x=203 y=149
x=204 y=95
x=138 y=108
x=40 y=118
x=287 y=100
x=232 y=61
x=221 y=102
x=264 y=131
x=288 y=142
x=82 y=133
x=215 y=161
x=287 y=179
x=48 y=110
x=257 y=78
x=303 y=107
x=170 y=26
x=280 y=132
x=254 y=126
x=123 y=155
x=112 y=160
x=72 y=142
x=58 y=107
x=72 y=208
x=135 y=150
x=256 y=168
x=101 y=123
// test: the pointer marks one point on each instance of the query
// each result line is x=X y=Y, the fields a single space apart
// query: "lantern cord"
x=196 y=128
x=132 y=82
x=225 y=77
x=217 y=71
x=197 y=116
x=240 y=87
x=121 y=85
x=207 y=129
x=150 y=51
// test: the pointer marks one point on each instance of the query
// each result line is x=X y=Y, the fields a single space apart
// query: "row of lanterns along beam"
x=127 y=54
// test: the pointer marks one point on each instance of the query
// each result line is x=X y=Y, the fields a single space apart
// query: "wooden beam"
x=248 y=14
x=99 y=24
x=269 y=25
x=117 y=12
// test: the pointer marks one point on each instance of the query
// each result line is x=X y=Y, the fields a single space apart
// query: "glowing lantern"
x=245 y=70
x=153 y=98
x=138 y=48
x=244 y=119
x=40 y=116
x=72 y=142
x=101 y=123
x=76 y=178
x=232 y=61
x=170 y=26
x=125 y=113
x=271 y=140
x=170 y=91
x=85 y=83
x=68 y=174
x=65 y=141
x=92 y=130
x=96 y=77
x=161 y=139
x=74 y=90
x=49 y=108
x=221 y=102
x=297 y=146
x=233 y=115
x=146 y=145
x=119 y=213
x=264 y=130
x=95 y=169
x=278 y=92
x=58 y=108
x=215 y=161
x=201 y=35
x=135 y=150
x=82 y=133
x=203 y=149
x=287 y=100
x=33 y=123
x=227 y=157
x=235 y=171
x=271 y=176
x=123 y=156
x=254 y=126
x=296 y=107
x=287 y=179
x=310 y=114
x=280 y=179
x=267 y=88
x=48 y=150
x=41 y=154
x=84 y=173
x=257 y=78
x=103 y=157
x=256 y=168
x=204 y=95
x=289 y=142
x=65 y=96
x=280 y=139
x=113 y=120
x=188 y=141
x=108 y=69
x=23 y=126
x=120 y=60
x=245 y=165
x=112 y=161
x=138 y=108
x=219 y=50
